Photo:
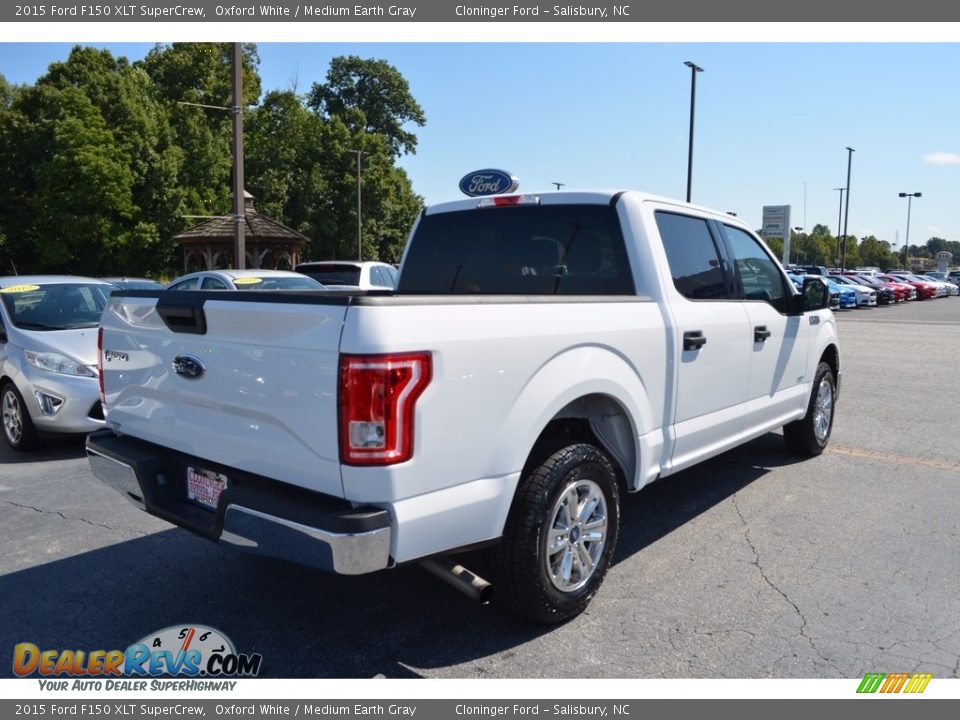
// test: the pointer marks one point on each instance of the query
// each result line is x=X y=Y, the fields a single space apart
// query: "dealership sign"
x=776 y=224
x=488 y=182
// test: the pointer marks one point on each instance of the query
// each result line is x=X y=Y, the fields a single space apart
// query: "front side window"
x=189 y=284
x=212 y=283
x=692 y=256
x=759 y=273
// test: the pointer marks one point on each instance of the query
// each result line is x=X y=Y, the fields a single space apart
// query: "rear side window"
x=692 y=256
x=531 y=250
x=332 y=274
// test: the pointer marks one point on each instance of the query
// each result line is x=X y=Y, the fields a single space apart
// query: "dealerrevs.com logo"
x=182 y=651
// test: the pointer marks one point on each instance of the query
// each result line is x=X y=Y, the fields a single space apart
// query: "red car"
x=925 y=290
x=901 y=290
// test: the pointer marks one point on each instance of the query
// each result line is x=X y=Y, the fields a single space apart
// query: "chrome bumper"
x=259 y=516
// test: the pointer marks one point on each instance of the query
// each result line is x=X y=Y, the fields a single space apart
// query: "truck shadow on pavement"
x=307 y=624
x=52 y=447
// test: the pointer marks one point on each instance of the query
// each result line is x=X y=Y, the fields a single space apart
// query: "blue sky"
x=772 y=120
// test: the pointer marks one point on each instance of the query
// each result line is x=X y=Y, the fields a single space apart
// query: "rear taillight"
x=377 y=398
x=100 y=363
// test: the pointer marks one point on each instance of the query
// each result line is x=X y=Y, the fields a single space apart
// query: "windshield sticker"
x=247 y=281
x=19 y=288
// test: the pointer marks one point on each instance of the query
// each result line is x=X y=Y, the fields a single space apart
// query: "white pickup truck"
x=541 y=355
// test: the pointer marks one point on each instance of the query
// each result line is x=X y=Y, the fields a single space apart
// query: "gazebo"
x=269 y=244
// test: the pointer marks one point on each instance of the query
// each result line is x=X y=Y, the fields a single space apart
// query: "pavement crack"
x=66 y=517
x=774 y=587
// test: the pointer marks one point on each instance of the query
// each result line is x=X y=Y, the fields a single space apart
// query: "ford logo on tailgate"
x=488 y=182
x=188 y=367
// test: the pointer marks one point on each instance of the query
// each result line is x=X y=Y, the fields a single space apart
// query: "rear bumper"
x=254 y=514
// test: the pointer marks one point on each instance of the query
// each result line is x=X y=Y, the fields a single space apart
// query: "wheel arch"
x=595 y=396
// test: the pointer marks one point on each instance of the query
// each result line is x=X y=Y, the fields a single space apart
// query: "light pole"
x=239 y=209
x=906 y=243
x=836 y=258
x=559 y=184
x=360 y=154
x=694 y=69
x=846 y=215
x=798 y=230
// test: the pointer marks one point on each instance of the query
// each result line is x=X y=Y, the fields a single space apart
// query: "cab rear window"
x=526 y=250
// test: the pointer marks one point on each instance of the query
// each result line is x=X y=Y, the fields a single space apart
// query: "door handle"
x=760 y=333
x=693 y=340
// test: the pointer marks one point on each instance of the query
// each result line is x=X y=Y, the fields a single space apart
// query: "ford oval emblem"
x=488 y=182
x=188 y=367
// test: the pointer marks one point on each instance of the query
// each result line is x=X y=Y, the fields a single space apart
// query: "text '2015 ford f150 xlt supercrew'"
x=541 y=355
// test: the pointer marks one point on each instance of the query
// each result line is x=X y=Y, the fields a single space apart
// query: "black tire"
x=810 y=434
x=18 y=429
x=550 y=587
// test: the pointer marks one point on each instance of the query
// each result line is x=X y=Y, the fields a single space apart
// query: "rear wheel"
x=559 y=537
x=810 y=434
x=18 y=428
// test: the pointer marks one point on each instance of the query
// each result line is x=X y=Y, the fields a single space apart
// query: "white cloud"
x=942 y=158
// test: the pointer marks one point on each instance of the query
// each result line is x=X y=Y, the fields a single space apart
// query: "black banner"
x=300 y=11
x=475 y=709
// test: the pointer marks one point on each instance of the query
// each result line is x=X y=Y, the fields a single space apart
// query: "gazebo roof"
x=257 y=228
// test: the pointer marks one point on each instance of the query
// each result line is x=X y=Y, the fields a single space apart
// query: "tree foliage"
x=102 y=161
x=372 y=96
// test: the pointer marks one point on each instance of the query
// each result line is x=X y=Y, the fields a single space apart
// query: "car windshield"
x=333 y=274
x=55 y=306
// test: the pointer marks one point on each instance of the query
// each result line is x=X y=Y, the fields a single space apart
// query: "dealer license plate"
x=204 y=487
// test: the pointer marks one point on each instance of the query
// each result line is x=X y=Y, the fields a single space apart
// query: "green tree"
x=370 y=96
x=124 y=98
x=201 y=74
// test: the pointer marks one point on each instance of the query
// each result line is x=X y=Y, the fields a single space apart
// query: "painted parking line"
x=898 y=459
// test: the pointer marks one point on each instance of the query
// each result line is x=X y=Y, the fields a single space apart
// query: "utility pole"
x=694 y=69
x=846 y=215
x=239 y=205
x=360 y=154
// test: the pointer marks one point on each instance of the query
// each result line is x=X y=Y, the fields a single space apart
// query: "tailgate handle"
x=183 y=315
x=693 y=340
x=760 y=333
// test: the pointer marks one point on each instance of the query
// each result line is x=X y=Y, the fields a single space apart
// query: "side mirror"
x=815 y=294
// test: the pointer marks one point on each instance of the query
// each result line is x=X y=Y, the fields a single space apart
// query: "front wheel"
x=559 y=537
x=18 y=428
x=810 y=434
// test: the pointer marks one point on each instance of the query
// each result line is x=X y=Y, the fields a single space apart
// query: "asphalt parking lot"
x=754 y=564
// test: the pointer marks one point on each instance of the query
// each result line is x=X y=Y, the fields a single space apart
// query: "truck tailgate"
x=247 y=382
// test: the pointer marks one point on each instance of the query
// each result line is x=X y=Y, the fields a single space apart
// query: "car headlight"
x=57 y=363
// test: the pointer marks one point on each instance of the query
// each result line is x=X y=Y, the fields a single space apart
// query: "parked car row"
x=49 y=380
x=855 y=289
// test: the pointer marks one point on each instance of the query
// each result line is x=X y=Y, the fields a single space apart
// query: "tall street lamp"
x=846 y=215
x=836 y=258
x=906 y=243
x=360 y=154
x=694 y=69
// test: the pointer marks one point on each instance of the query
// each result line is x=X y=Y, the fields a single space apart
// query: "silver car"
x=48 y=356
x=244 y=280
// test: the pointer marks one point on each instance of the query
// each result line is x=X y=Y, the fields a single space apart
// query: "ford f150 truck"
x=540 y=356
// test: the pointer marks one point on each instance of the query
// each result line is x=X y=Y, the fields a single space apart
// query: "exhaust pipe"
x=461 y=578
